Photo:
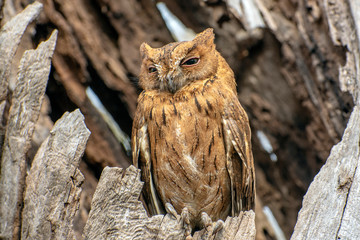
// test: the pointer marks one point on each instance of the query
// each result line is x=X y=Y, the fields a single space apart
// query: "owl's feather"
x=240 y=163
x=141 y=159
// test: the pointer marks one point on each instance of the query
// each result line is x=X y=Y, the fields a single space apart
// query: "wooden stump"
x=117 y=213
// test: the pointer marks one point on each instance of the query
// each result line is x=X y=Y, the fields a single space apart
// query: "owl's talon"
x=206 y=221
x=169 y=208
x=219 y=226
x=185 y=218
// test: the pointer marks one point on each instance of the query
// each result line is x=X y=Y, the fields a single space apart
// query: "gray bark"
x=53 y=185
x=116 y=213
x=10 y=36
x=331 y=205
x=52 y=189
x=24 y=111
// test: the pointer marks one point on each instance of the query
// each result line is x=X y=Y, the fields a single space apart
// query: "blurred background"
x=286 y=67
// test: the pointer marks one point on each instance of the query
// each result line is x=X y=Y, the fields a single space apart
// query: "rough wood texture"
x=343 y=21
x=287 y=78
x=115 y=209
x=52 y=188
x=10 y=36
x=331 y=205
x=241 y=227
x=24 y=111
x=53 y=184
x=116 y=213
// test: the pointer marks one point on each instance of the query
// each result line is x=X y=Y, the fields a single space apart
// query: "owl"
x=191 y=136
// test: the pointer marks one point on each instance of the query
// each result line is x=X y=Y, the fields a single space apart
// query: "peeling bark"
x=53 y=185
x=331 y=204
x=23 y=114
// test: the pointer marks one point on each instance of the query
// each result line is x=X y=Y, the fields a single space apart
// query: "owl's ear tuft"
x=206 y=37
x=144 y=50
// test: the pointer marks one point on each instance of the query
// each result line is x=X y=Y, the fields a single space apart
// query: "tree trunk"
x=295 y=63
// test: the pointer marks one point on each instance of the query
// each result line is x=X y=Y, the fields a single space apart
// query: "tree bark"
x=331 y=204
x=117 y=213
x=23 y=114
x=285 y=54
x=330 y=207
x=10 y=36
x=52 y=188
x=53 y=185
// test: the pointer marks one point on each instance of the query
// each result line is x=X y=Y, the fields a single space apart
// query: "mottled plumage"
x=191 y=137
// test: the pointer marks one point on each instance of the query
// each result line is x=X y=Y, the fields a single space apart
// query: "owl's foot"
x=206 y=221
x=211 y=228
x=219 y=226
x=171 y=210
x=184 y=218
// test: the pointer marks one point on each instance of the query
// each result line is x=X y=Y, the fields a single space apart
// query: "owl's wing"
x=240 y=163
x=142 y=159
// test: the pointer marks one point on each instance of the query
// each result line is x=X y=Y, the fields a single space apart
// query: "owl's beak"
x=170 y=78
x=170 y=81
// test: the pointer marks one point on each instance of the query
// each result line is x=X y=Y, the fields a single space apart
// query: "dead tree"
x=297 y=69
x=331 y=204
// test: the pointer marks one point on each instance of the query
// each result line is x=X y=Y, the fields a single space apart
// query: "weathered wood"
x=115 y=209
x=345 y=31
x=331 y=205
x=24 y=111
x=287 y=78
x=241 y=227
x=10 y=36
x=53 y=185
x=117 y=213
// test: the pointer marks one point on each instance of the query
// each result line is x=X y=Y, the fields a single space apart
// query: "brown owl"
x=191 y=136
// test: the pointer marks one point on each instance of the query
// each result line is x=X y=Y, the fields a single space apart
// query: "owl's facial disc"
x=177 y=64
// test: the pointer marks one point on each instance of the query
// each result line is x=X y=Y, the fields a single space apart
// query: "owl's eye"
x=190 y=61
x=152 y=69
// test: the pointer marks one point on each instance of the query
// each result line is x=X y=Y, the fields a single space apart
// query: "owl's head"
x=174 y=65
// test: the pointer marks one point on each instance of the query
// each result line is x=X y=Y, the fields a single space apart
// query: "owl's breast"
x=188 y=154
